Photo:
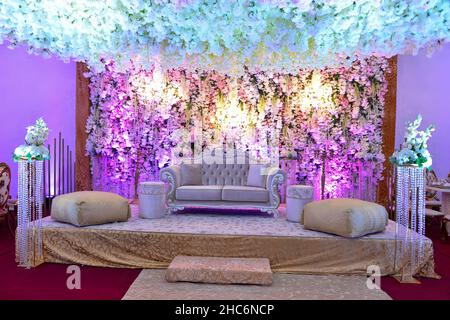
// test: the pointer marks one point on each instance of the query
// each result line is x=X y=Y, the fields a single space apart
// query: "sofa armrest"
x=171 y=175
x=275 y=177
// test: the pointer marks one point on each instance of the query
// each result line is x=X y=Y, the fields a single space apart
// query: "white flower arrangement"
x=34 y=148
x=414 y=150
x=224 y=35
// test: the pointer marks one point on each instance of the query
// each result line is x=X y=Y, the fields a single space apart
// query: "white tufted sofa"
x=223 y=184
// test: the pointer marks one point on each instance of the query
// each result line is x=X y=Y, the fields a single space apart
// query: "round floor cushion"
x=345 y=217
x=86 y=208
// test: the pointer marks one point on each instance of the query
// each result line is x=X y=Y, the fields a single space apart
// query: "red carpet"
x=48 y=281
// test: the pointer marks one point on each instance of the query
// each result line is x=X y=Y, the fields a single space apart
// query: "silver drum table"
x=296 y=197
x=152 y=200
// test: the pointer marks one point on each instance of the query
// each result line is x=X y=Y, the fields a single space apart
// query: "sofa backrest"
x=224 y=174
x=222 y=168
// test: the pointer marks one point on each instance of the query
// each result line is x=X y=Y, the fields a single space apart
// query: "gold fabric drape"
x=309 y=255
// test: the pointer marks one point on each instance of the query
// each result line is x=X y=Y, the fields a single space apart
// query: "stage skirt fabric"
x=153 y=243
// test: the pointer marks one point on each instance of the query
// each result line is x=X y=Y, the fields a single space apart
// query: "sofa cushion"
x=257 y=175
x=199 y=193
x=245 y=193
x=87 y=208
x=191 y=174
x=345 y=217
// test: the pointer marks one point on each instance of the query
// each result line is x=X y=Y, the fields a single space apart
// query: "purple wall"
x=31 y=87
x=424 y=87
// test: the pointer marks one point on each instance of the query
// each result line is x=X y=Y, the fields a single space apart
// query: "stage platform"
x=144 y=243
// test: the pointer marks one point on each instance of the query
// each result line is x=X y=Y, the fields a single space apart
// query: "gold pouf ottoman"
x=86 y=208
x=349 y=218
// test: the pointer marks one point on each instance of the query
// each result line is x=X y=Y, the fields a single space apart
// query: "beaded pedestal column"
x=410 y=216
x=29 y=214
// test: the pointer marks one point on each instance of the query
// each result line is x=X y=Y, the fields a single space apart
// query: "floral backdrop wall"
x=326 y=123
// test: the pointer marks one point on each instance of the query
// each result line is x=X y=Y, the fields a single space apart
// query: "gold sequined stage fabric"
x=154 y=243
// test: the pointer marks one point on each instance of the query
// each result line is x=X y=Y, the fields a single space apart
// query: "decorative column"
x=29 y=214
x=410 y=217
x=411 y=161
x=30 y=158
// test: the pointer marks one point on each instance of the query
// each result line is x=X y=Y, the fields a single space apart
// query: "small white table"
x=445 y=197
x=152 y=200
x=296 y=198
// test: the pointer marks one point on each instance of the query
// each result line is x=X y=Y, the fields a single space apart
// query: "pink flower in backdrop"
x=133 y=119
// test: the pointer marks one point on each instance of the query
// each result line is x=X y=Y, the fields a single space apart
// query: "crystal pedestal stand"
x=410 y=218
x=29 y=214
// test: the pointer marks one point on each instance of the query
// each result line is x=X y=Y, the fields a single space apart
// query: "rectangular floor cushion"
x=87 y=208
x=222 y=270
x=345 y=217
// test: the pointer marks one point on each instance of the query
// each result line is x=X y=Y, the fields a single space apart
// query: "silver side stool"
x=152 y=200
x=297 y=196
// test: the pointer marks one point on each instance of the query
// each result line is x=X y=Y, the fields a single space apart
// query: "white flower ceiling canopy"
x=277 y=35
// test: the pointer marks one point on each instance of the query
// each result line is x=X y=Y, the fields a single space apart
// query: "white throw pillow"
x=257 y=175
x=191 y=174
